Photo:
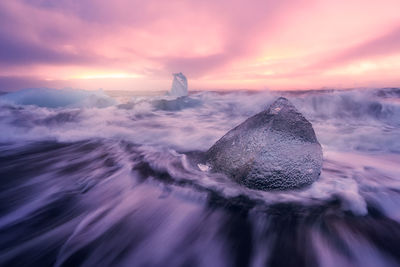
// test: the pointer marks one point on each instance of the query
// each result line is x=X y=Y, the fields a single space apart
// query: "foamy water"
x=102 y=180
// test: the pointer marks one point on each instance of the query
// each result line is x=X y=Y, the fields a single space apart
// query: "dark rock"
x=275 y=149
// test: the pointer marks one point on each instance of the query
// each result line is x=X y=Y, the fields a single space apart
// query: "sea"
x=110 y=178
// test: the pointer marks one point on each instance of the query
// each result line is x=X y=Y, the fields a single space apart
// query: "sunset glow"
x=136 y=45
x=200 y=133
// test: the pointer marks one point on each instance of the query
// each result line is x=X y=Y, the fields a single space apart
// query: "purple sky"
x=136 y=45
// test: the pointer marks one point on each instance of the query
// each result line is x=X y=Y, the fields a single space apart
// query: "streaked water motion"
x=113 y=181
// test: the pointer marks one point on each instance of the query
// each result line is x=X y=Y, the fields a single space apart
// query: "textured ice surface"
x=275 y=149
x=53 y=98
x=179 y=85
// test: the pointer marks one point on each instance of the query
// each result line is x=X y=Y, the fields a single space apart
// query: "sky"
x=218 y=44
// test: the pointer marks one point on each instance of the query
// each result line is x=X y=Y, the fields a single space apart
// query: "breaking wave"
x=51 y=98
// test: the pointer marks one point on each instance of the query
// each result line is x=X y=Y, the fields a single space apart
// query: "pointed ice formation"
x=275 y=149
x=179 y=85
x=178 y=99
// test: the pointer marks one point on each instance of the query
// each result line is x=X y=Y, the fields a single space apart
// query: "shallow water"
x=114 y=182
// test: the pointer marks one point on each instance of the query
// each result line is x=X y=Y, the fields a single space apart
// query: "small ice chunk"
x=179 y=85
x=203 y=167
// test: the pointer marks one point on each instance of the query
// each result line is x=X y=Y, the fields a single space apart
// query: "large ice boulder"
x=275 y=149
x=179 y=85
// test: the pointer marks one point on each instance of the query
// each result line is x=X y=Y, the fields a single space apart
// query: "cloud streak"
x=266 y=43
x=381 y=46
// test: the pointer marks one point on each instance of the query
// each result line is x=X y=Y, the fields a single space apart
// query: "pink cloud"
x=216 y=43
x=381 y=46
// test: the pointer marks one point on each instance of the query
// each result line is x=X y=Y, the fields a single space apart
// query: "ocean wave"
x=58 y=98
x=95 y=185
x=353 y=120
